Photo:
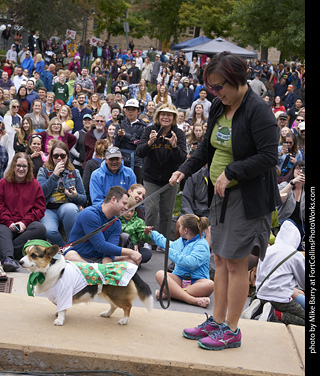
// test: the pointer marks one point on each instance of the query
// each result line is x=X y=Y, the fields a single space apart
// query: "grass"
x=177 y=205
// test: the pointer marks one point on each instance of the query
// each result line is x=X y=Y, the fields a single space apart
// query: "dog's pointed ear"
x=52 y=251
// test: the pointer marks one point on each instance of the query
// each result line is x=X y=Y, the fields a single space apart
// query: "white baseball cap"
x=132 y=103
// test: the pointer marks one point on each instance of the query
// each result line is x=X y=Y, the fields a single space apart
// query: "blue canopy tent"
x=219 y=45
x=190 y=43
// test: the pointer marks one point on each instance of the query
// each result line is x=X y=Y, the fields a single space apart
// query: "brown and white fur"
x=40 y=259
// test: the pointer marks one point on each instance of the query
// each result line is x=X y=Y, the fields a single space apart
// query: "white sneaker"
x=254 y=309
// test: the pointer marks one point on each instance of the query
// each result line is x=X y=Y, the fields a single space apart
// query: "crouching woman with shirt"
x=64 y=193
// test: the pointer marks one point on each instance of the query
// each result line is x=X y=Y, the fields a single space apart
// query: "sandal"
x=203 y=302
x=3 y=276
x=164 y=295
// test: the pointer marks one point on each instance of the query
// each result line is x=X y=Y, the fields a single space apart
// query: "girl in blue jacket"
x=191 y=255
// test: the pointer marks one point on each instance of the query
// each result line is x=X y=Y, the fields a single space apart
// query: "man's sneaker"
x=268 y=313
x=254 y=309
x=223 y=338
x=201 y=330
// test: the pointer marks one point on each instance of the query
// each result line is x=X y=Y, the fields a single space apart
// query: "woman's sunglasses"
x=217 y=87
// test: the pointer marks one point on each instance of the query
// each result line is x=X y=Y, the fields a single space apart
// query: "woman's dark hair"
x=230 y=66
x=290 y=174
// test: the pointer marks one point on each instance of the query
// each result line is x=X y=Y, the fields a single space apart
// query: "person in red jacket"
x=22 y=205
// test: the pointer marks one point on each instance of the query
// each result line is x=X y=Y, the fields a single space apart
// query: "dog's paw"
x=124 y=321
x=106 y=313
x=58 y=322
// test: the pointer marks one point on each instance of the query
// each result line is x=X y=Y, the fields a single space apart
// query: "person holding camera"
x=127 y=135
x=163 y=147
x=64 y=193
x=288 y=153
x=194 y=138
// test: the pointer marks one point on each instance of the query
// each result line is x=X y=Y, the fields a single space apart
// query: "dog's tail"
x=144 y=292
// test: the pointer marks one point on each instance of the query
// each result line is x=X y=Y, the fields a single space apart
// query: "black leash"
x=110 y=223
x=166 y=258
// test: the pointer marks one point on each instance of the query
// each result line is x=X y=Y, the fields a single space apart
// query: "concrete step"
x=150 y=345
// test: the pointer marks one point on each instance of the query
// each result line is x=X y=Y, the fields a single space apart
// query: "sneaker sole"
x=9 y=268
x=217 y=348
x=265 y=316
x=252 y=310
x=193 y=337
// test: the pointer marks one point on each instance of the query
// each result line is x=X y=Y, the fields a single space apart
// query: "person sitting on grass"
x=191 y=255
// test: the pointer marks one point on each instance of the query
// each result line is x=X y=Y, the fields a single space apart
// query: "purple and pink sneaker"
x=201 y=330
x=222 y=338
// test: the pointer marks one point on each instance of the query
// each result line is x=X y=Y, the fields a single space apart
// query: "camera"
x=120 y=117
x=160 y=132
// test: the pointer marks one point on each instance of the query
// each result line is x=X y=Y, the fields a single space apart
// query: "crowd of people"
x=87 y=132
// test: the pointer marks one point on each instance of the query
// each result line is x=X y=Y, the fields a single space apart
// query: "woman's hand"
x=59 y=168
x=71 y=192
x=176 y=177
x=300 y=179
x=221 y=184
x=152 y=137
x=13 y=227
x=173 y=140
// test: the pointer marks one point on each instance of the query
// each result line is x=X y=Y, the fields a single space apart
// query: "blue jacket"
x=191 y=256
x=103 y=244
x=28 y=64
x=46 y=77
x=102 y=180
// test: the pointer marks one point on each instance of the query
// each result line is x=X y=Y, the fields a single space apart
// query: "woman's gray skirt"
x=233 y=236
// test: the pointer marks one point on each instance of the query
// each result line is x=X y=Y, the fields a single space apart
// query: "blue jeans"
x=86 y=62
x=65 y=215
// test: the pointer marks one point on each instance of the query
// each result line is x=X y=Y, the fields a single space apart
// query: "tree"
x=45 y=16
x=162 y=18
x=209 y=15
x=276 y=23
x=110 y=15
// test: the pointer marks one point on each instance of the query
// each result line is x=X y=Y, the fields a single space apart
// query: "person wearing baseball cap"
x=112 y=172
x=127 y=135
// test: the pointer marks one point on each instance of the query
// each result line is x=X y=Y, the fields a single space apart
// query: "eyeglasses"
x=100 y=121
x=299 y=120
x=15 y=106
x=18 y=166
x=56 y=156
x=217 y=87
x=36 y=135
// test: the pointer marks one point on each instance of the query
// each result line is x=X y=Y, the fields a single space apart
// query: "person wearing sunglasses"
x=240 y=147
x=22 y=206
x=288 y=153
x=64 y=193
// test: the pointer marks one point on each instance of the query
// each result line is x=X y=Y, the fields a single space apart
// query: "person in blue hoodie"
x=111 y=172
x=189 y=281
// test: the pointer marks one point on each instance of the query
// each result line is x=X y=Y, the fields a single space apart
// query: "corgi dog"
x=62 y=282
